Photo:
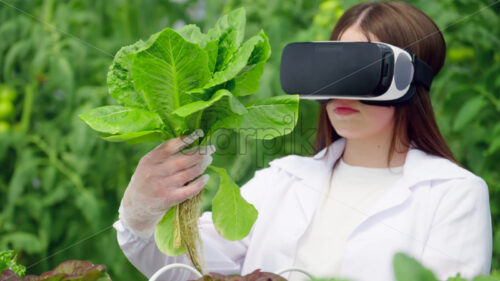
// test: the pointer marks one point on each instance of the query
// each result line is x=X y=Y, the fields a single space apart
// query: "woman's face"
x=352 y=119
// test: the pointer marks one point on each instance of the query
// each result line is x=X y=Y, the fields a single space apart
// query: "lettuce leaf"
x=115 y=119
x=256 y=275
x=266 y=119
x=232 y=215
x=120 y=85
x=181 y=80
x=165 y=71
x=164 y=235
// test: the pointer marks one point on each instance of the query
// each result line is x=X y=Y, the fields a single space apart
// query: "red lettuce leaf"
x=9 y=275
x=74 y=270
x=257 y=275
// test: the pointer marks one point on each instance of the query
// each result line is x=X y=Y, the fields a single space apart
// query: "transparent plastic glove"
x=164 y=178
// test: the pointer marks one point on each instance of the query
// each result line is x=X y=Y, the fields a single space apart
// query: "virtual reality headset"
x=372 y=72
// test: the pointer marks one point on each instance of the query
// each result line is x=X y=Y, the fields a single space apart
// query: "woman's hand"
x=164 y=178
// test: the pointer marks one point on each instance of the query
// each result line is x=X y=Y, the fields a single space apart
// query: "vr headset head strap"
x=423 y=73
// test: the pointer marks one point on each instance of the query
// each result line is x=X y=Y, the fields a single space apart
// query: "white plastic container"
x=198 y=274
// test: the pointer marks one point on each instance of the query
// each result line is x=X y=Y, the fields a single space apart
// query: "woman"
x=383 y=181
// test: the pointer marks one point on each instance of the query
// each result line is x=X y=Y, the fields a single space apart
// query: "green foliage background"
x=61 y=185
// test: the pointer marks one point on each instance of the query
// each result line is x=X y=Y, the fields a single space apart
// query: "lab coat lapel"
x=314 y=177
x=419 y=168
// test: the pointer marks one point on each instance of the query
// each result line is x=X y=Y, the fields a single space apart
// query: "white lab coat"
x=437 y=212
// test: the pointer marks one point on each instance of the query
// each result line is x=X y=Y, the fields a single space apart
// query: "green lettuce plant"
x=8 y=261
x=181 y=80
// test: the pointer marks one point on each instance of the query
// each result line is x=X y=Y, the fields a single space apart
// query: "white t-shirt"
x=353 y=191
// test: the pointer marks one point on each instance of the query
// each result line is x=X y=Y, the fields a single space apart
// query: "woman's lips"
x=345 y=110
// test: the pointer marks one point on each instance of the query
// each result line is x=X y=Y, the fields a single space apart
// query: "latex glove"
x=164 y=178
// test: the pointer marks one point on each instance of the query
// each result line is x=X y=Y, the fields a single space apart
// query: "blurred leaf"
x=456 y=278
x=468 y=112
x=61 y=74
x=486 y=278
x=89 y=207
x=23 y=240
x=460 y=54
x=494 y=145
x=407 y=268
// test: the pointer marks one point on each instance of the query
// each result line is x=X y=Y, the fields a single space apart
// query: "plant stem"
x=27 y=107
x=54 y=160
x=177 y=229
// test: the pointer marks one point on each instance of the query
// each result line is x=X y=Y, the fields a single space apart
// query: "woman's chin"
x=350 y=135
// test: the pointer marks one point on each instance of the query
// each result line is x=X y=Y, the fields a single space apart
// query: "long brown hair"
x=399 y=24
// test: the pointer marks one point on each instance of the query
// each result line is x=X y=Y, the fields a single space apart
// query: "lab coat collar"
x=419 y=166
x=314 y=174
